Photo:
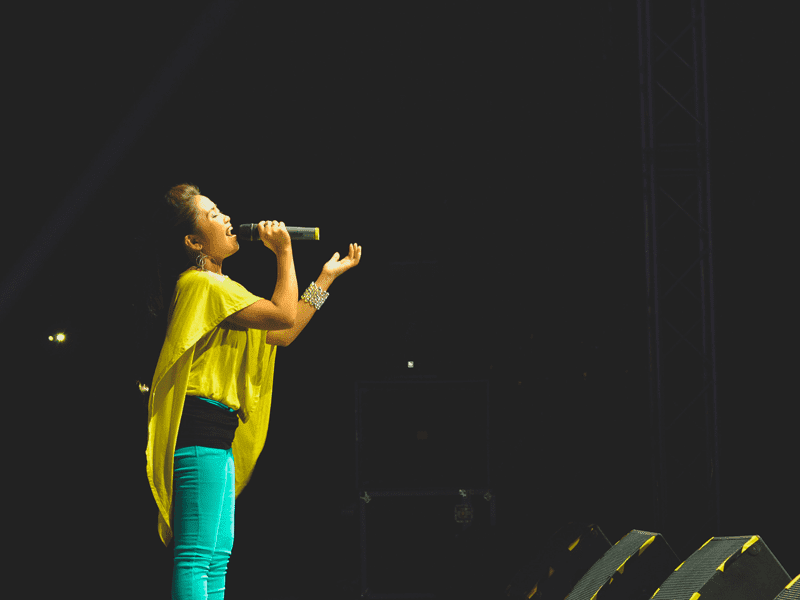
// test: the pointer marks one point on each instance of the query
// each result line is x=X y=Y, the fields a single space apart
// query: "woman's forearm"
x=285 y=294
x=305 y=312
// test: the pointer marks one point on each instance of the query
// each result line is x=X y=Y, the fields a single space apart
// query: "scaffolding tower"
x=673 y=83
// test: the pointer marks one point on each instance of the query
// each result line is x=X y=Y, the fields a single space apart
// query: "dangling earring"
x=201 y=261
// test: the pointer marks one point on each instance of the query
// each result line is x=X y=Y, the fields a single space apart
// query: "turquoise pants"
x=204 y=489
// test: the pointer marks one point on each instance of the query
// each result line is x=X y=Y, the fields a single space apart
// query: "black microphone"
x=249 y=232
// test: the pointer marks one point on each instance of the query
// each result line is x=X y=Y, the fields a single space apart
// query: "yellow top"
x=202 y=356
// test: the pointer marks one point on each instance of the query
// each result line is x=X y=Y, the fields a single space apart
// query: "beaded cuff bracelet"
x=314 y=295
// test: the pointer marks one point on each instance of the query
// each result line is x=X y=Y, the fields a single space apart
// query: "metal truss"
x=680 y=282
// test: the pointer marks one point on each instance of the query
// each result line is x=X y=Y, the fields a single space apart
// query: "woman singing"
x=209 y=402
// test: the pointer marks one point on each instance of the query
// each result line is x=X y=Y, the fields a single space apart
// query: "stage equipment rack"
x=415 y=441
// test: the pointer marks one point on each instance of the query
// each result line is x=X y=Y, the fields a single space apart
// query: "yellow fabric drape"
x=203 y=356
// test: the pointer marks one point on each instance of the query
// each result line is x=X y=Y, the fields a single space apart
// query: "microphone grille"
x=248 y=231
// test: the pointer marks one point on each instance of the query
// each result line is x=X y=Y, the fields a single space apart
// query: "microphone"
x=249 y=232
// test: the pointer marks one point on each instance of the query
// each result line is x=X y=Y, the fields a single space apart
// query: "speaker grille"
x=705 y=562
x=792 y=591
x=620 y=559
x=727 y=568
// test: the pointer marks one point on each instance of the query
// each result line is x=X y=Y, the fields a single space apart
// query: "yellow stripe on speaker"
x=721 y=568
x=573 y=544
x=749 y=543
x=792 y=582
x=695 y=596
x=752 y=541
x=533 y=591
x=646 y=545
x=621 y=568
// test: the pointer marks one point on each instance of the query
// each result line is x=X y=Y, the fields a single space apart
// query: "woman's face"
x=214 y=232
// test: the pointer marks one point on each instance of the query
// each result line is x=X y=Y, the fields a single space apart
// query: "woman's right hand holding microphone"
x=274 y=235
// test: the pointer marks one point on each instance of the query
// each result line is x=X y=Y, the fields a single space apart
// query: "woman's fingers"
x=274 y=235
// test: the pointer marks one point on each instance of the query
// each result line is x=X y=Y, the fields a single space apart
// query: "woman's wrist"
x=282 y=251
x=314 y=295
x=325 y=280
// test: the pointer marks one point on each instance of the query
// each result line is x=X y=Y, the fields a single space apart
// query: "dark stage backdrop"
x=487 y=159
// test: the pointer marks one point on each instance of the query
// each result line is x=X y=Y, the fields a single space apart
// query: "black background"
x=488 y=161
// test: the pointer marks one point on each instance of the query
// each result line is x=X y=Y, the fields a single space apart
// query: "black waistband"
x=205 y=424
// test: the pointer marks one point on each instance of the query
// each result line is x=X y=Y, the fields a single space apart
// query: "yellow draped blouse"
x=203 y=356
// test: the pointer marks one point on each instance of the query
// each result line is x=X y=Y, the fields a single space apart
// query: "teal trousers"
x=204 y=496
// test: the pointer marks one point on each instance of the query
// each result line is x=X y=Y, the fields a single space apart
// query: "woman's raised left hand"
x=336 y=266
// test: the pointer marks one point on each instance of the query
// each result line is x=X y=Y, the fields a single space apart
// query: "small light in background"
x=143 y=388
x=59 y=337
x=411 y=364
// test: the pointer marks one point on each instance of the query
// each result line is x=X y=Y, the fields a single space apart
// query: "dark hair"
x=162 y=255
x=174 y=219
x=183 y=215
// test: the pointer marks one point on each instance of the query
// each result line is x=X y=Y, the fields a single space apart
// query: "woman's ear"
x=193 y=243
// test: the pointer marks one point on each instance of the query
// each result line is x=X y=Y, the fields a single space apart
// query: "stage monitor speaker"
x=630 y=570
x=791 y=591
x=726 y=568
x=551 y=575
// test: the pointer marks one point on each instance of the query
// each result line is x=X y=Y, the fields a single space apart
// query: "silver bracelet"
x=315 y=295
